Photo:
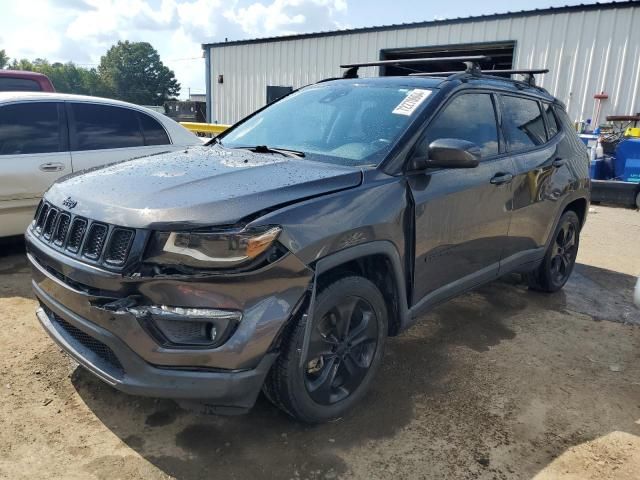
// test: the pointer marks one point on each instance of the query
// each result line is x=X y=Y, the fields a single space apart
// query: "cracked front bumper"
x=117 y=348
x=131 y=374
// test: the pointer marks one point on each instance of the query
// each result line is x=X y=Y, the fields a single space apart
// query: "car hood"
x=200 y=186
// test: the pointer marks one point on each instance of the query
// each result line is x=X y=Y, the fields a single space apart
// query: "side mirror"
x=446 y=153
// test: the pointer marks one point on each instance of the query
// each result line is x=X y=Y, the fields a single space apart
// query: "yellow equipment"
x=204 y=127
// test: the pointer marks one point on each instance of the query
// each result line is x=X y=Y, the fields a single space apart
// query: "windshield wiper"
x=282 y=151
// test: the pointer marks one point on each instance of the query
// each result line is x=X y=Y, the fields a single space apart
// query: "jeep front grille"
x=118 y=246
x=41 y=215
x=87 y=240
x=95 y=241
x=49 y=222
x=77 y=234
x=62 y=228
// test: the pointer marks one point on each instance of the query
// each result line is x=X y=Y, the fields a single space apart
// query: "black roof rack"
x=472 y=63
x=528 y=73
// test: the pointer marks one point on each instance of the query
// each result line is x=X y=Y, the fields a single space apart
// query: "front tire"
x=560 y=258
x=346 y=346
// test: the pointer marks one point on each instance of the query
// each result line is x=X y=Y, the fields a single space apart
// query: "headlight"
x=224 y=249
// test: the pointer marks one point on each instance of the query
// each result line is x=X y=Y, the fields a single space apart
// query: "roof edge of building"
x=401 y=26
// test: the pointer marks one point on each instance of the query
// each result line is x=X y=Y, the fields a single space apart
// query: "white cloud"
x=287 y=16
x=28 y=29
x=119 y=17
x=82 y=30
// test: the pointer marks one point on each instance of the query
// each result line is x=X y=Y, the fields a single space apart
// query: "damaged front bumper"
x=117 y=346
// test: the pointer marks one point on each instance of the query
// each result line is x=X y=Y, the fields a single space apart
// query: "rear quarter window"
x=154 y=133
x=563 y=119
x=552 y=122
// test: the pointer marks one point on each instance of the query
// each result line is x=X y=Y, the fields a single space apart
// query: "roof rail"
x=528 y=74
x=471 y=62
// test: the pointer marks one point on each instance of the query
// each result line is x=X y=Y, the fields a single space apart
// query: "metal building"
x=588 y=49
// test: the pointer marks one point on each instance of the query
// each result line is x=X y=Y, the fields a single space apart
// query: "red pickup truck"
x=23 y=81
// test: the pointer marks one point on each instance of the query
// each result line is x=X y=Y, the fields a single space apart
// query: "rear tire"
x=560 y=258
x=346 y=346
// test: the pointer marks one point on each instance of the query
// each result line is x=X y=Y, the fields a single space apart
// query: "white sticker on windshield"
x=411 y=102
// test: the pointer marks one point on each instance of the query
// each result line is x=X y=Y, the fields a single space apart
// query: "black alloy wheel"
x=341 y=348
x=560 y=257
x=347 y=334
x=565 y=250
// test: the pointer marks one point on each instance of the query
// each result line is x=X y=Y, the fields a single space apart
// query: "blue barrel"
x=597 y=169
x=627 y=163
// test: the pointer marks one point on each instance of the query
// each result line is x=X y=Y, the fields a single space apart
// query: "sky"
x=81 y=31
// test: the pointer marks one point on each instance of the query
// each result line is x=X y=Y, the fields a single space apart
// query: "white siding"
x=586 y=52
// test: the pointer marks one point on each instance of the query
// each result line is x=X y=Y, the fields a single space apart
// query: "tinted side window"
x=102 y=126
x=552 y=122
x=468 y=117
x=8 y=84
x=522 y=122
x=29 y=128
x=154 y=133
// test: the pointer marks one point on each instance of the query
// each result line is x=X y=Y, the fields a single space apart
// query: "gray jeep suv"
x=282 y=255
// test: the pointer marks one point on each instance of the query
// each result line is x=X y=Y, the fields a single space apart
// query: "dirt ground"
x=500 y=383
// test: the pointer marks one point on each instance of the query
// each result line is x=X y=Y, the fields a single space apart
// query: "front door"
x=33 y=155
x=461 y=215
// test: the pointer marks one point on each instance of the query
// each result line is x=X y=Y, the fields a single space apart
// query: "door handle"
x=52 y=167
x=501 y=178
x=559 y=162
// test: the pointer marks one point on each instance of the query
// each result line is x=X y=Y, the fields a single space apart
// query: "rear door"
x=541 y=177
x=461 y=215
x=101 y=134
x=33 y=154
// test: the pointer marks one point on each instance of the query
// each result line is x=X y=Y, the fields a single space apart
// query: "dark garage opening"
x=501 y=54
x=276 y=92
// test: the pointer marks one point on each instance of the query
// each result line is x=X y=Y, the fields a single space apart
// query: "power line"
x=183 y=59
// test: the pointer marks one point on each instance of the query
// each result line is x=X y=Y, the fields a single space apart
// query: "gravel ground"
x=499 y=383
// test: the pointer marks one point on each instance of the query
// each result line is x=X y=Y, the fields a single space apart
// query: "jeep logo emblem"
x=69 y=202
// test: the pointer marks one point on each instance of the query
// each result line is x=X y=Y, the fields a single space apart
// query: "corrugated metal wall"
x=586 y=51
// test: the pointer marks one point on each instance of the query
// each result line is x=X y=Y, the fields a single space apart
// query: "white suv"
x=44 y=136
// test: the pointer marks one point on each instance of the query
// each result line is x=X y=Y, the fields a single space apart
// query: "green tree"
x=134 y=73
x=129 y=71
x=22 y=64
x=67 y=77
x=4 y=59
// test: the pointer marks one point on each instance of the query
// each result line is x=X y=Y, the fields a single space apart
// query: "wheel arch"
x=577 y=203
x=579 y=206
x=378 y=261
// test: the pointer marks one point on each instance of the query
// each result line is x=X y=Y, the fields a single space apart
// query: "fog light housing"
x=186 y=326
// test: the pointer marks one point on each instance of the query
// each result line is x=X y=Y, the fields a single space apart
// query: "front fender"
x=325 y=264
x=380 y=247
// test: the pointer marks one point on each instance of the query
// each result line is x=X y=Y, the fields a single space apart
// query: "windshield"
x=346 y=124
